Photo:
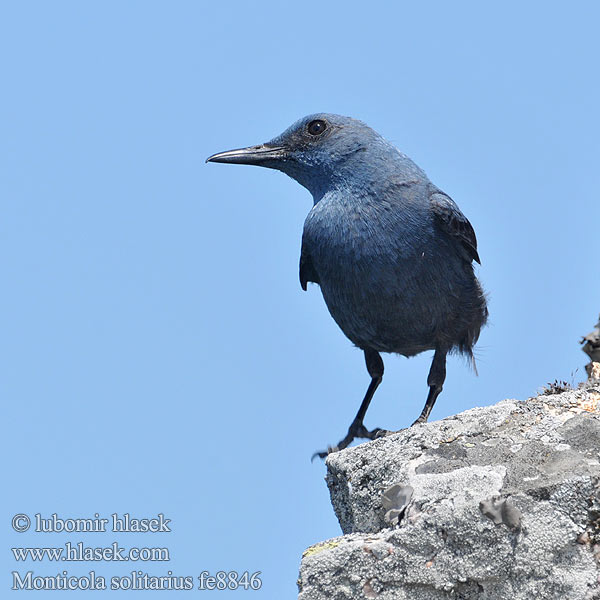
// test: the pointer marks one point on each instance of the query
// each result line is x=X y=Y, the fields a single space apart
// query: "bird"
x=392 y=253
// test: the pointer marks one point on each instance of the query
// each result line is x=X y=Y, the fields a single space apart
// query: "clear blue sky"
x=157 y=352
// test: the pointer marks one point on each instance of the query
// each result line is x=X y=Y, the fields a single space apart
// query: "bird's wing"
x=452 y=221
x=307 y=271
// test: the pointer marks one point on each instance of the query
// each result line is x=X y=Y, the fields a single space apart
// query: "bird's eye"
x=317 y=127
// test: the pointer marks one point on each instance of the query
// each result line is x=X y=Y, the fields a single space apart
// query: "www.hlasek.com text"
x=80 y=553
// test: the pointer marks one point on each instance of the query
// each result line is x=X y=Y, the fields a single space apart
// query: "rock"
x=495 y=503
x=591 y=346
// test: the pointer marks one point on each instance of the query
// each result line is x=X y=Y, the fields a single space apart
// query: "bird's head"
x=318 y=151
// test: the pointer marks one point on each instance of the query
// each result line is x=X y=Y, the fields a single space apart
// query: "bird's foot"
x=363 y=432
x=357 y=430
x=324 y=453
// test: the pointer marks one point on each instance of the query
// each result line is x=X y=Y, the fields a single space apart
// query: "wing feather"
x=307 y=270
x=452 y=221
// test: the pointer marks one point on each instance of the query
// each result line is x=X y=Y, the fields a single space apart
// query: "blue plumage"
x=391 y=252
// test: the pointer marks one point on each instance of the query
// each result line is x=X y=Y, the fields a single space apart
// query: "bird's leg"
x=435 y=381
x=357 y=429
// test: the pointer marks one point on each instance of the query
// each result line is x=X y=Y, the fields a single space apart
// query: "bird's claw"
x=354 y=432
x=374 y=434
x=324 y=454
x=379 y=433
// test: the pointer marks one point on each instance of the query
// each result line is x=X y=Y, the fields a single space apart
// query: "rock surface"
x=495 y=503
x=591 y=346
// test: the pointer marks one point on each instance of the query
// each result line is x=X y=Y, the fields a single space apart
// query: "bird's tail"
x=480 y=317
x=473 y=364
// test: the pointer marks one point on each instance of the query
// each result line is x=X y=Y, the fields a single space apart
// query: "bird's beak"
x=253 y=155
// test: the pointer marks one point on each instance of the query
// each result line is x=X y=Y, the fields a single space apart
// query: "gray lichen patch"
x=395 y=501
x=501 y=511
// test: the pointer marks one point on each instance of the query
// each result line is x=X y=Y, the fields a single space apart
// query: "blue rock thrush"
x=391 y=252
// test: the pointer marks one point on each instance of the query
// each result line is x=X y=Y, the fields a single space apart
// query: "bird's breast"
x=351 y=235
x=384 y=277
